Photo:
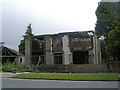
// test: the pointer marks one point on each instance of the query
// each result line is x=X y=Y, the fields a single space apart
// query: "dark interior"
x=58 y=58
x=38 y=50
x=80 y=57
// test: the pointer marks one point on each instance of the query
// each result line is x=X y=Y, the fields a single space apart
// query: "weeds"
x=11 y=67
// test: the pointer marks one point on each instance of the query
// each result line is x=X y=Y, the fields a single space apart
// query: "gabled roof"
x=9 y=52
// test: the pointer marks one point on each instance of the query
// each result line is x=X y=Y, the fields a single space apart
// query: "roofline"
x=62 y=33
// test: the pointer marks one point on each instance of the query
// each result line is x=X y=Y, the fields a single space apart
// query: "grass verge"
x=69 y=76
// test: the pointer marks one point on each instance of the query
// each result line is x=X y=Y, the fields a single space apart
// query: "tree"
x=28 y=33
x=107 y=15
x=113 y=43
x=108 y=25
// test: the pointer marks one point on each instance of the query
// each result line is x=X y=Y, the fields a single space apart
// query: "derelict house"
x=70 y=48
x=10 y=55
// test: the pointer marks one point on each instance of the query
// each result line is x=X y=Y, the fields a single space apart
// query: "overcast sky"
x=46 y=16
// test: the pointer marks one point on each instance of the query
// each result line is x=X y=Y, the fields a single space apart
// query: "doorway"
x=80 y=57
x=58 y=58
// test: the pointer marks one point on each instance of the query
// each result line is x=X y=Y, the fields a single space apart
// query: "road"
x=26 y=83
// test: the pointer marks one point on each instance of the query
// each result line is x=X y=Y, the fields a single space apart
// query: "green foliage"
x=9 y=67
x=113 y=46
x=107 y=17
x=28 y=34
x=108 y=25
x=22 y=47
x=20 y=68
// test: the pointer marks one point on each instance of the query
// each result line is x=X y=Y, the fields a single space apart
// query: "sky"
x=46 y=17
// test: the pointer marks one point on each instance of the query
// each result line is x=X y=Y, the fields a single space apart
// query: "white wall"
x=96 y=50
x=17 y=60
x=67 y=57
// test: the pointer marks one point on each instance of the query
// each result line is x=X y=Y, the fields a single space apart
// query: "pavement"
x=9 y=74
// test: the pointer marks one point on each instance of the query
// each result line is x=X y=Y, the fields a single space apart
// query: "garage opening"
x=80 y=57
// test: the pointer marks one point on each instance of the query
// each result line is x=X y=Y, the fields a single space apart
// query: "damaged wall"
x=64 y=48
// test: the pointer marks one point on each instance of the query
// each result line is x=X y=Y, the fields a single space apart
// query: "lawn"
x=69 y=76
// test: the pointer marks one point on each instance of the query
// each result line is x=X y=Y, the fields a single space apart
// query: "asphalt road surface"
x=26 y=83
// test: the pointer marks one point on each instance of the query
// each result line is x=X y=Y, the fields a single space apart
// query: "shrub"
x=33 y=67
x=10 y=67
x=21 y=68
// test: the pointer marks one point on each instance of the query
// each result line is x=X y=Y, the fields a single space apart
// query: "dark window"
x=20 y=61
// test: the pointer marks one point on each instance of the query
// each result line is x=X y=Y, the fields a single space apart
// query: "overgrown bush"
x=10 y=67
x=33 y=67
x=21 y=68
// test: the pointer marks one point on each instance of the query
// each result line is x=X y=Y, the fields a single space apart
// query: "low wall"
x=111 y=66
x=114 y=66
x=83 y=68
